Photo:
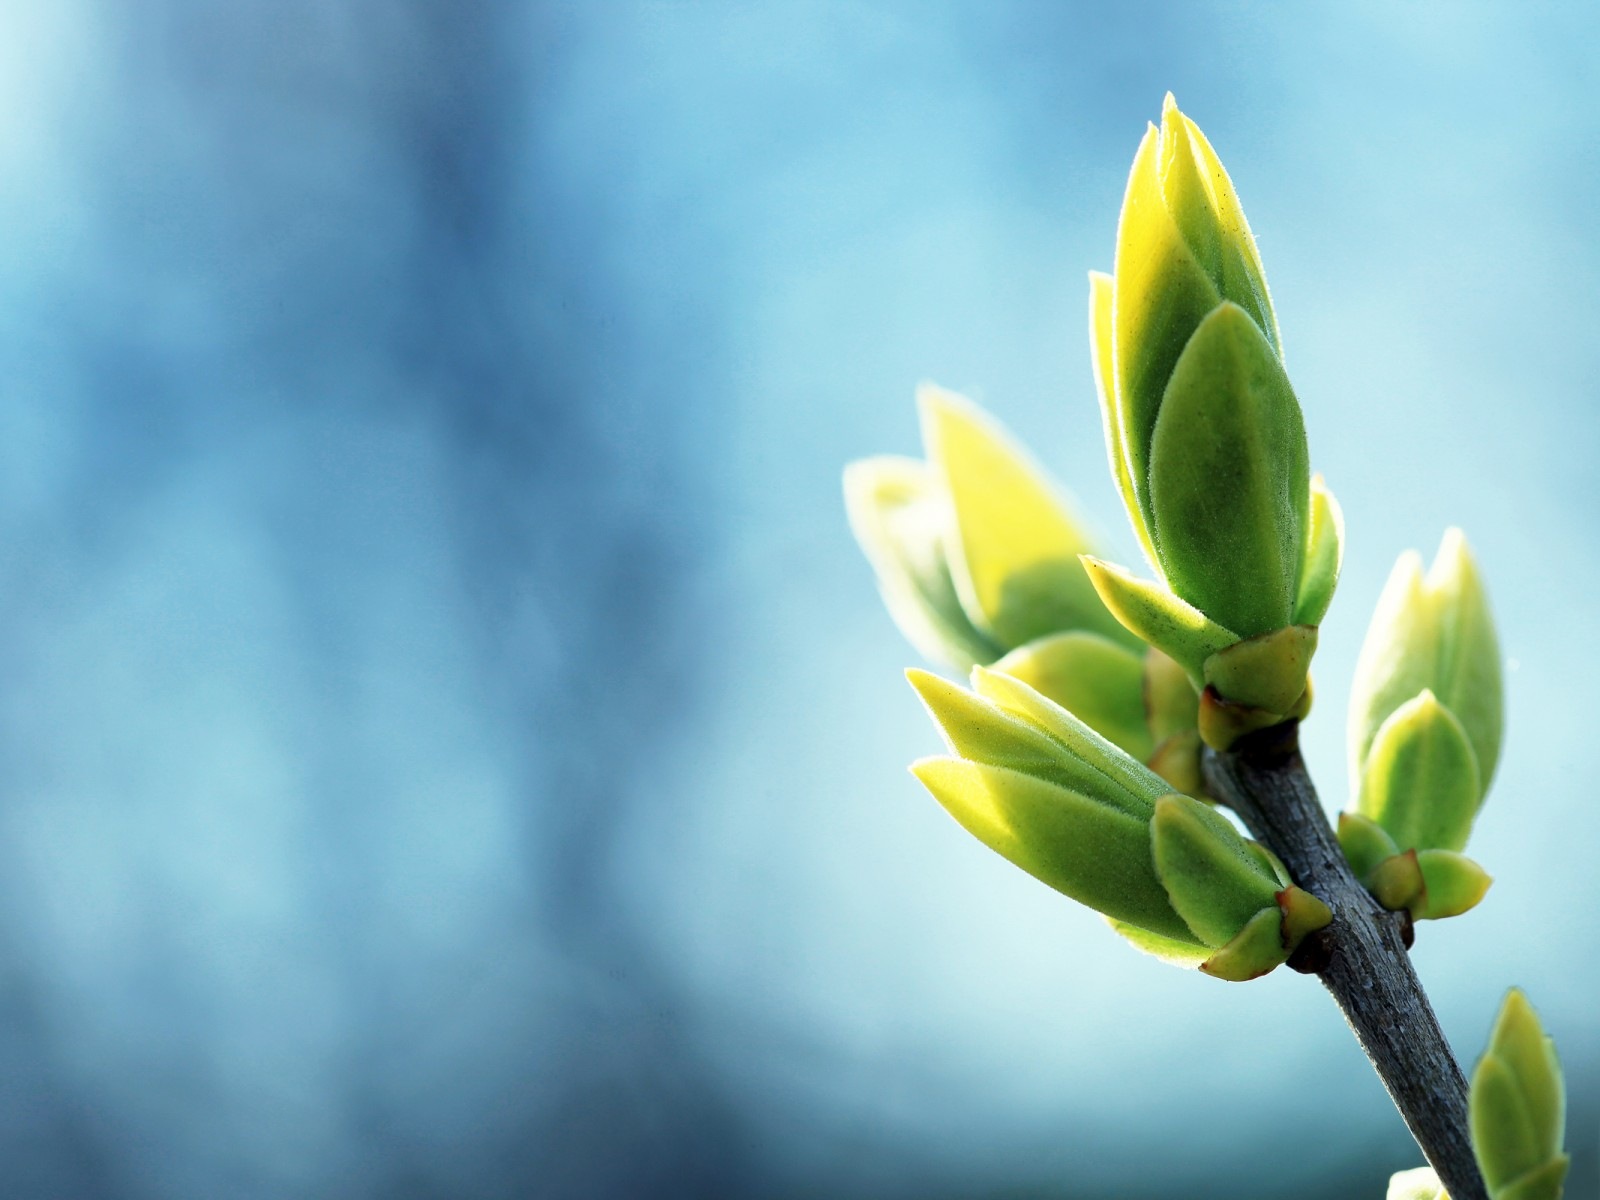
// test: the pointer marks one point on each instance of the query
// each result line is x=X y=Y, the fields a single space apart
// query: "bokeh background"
x=449 y=745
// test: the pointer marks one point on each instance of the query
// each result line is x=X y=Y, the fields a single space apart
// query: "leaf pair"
x=1045 y=791
x=1142 y=703
x=978 y=561
x=975 y=551
x=1425 y=727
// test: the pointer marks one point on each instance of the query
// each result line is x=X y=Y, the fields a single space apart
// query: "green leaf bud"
x=1043 y=789
x=1091 y=851
x=1421 y=778
x=1432 y=884
x=1205 y=436
x=1014 y=543
x=1517 y=1108
x=1425 y=722
x=1202 y=426
x=898 y=514
x=1099 y=681
x=1434 y=632
x=1419 y=1183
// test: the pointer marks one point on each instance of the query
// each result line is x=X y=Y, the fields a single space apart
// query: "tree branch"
x=1361 y=957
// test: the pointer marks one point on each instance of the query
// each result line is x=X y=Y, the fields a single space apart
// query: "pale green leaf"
x=1102 y=353
x=1468 y=679
x=1014 y=544
x=1185 y=953
x=899 y=516
x=1398 y=656
x=1162 y=295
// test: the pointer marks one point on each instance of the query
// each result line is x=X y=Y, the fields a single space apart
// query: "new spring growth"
x=976 y=552
x=977 y=556
x=1517 y=1107
x=1042 y=789
x=1207 y=445
x=1425 y=725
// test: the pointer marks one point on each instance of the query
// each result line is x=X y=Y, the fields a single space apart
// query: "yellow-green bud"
x=1434 y=632
x=1203 y=430
x=1517 y=1107
x=1451 y=885
x=1431 y=884
x=1426 y=712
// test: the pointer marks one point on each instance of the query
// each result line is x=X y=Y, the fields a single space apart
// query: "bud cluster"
x=1425 y=727
x=1207 y=443
x=1077 y=754
x=979 y=560
x=1042 y=789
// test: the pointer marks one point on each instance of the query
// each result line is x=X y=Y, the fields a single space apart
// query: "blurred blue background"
x=449 y=744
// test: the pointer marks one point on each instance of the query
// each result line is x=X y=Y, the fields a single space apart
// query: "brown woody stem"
x=1361 y=957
